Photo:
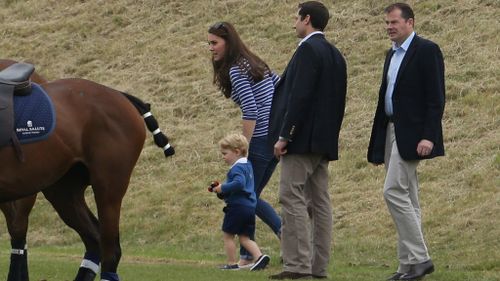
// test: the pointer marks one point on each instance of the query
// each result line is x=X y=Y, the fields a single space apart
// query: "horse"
x=97 y=140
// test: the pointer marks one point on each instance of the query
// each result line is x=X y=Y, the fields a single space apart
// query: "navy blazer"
x=309 y=100
x=418 y=103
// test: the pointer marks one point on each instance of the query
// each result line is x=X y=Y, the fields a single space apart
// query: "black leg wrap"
x=18 y=270
x=18 y=243
x=85 y=274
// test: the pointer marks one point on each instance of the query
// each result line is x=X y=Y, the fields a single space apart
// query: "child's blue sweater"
x=239 y=186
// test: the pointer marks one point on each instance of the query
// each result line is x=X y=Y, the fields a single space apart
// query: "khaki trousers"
x=307 y=221
x=401 y=196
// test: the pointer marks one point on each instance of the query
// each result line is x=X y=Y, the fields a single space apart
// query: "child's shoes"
x=230 y=267
x=247 y=265
x=261 y=263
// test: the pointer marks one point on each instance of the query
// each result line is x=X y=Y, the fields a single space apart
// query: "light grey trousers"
x=401 y=195
x=307 y=220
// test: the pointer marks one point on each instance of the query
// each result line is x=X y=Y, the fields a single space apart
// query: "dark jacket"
x=309 y=101
x=418 y=103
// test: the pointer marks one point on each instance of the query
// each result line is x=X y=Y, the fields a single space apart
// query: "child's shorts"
x=239 y=219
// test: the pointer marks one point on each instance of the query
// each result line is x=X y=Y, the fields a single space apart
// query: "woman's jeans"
x=264 y=162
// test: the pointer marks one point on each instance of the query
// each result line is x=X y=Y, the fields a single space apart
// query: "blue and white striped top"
x=253 y=98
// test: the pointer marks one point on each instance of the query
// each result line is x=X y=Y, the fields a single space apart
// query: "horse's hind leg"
x=109 y=199
x=67 y=197
x=109 y=181
x=16 y=215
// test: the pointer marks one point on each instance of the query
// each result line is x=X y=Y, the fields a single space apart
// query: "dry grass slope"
x=157 y=50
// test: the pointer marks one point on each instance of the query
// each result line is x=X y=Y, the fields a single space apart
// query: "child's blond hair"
x=233 y=142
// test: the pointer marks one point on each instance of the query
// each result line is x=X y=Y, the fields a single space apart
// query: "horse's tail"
x=160 y=139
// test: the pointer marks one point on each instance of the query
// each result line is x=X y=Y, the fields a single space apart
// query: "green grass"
x=160 y=264
x=157 y=51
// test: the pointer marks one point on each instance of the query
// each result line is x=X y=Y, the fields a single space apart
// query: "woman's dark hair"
x=236 y=53
x=317 y=12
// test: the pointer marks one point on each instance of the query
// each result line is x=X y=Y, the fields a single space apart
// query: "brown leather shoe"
x=290 y=275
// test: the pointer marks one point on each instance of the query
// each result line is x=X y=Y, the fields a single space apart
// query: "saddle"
x=14 y=80
x=18 y=76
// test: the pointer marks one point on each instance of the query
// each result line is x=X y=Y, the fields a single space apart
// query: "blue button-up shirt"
x=392 y=72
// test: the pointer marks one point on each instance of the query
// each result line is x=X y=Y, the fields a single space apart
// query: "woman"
x=248 y=81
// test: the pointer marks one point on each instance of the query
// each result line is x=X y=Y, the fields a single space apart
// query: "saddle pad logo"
x=30 y=129
x=34 y=115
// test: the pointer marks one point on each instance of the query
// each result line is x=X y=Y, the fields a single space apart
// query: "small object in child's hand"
x=212 y=186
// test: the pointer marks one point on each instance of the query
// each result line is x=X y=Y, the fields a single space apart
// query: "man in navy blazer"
x=306 y=115
x=407 y=128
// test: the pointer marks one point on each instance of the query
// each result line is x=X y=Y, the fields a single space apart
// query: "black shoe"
x=418 y=271
x=290 y=275
x=395 y=276
x=261 y=263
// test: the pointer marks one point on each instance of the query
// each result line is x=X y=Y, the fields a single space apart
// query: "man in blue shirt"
x=406 y=129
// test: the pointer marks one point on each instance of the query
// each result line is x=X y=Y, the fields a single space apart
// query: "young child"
x=239 y=195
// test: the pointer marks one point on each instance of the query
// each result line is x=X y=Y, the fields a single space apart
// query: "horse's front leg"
x=16 y=215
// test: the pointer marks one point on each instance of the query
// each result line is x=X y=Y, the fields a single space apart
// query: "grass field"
x=157 y=264
x=157 y=51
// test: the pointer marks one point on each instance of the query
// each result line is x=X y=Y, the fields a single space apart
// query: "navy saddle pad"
x=34 y=115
